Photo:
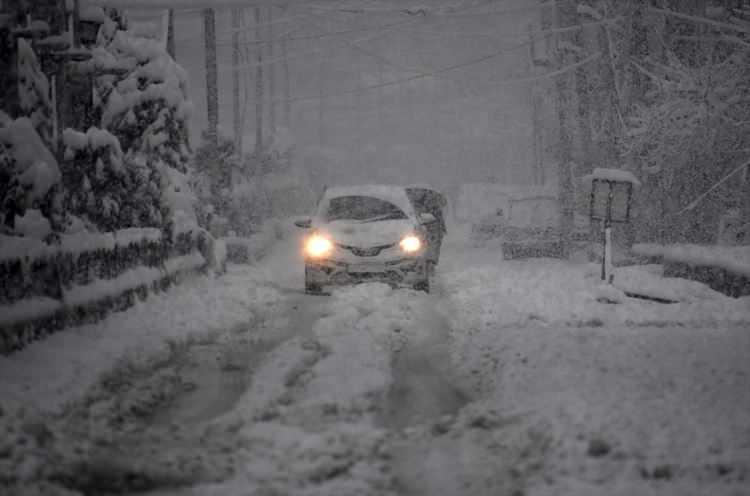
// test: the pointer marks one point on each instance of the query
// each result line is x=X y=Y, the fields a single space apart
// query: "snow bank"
x=48 y=374
x=577 y=397
x=654 y=410
x=734 y=259
x=491 y=292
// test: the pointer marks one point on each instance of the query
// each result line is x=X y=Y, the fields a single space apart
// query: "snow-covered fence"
x=723 y=268
x=46 y=288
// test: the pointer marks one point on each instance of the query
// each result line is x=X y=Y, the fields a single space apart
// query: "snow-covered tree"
x=142 y=99
x=691 y=126
x=34 y=91
x=29 y=174
x=104 y=190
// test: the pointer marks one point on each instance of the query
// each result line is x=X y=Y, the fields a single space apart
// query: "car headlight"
x=411 y=244
x=318 y=246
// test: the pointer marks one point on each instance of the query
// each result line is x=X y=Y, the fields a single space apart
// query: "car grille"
x=366 y=252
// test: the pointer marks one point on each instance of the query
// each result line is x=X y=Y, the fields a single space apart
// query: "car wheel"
x=310 y=286
x=423 y=285
x=431 y=264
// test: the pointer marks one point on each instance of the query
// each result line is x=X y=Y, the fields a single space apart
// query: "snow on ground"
x=575 y=396
x=735 y=259
x=50 y=373
x=510 y=378
x=312 y=402
x=488 y=291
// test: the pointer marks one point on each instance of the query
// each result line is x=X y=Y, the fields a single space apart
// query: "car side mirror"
x=427 y=218
x=304 y=222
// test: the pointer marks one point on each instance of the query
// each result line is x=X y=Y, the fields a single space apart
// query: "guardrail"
x=45 y=288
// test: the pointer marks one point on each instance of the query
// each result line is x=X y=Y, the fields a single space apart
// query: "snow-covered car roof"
x=389 y=193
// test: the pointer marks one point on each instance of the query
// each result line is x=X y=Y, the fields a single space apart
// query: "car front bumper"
x=406 y=271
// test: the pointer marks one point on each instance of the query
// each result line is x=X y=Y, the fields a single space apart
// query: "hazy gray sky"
x=465 y=124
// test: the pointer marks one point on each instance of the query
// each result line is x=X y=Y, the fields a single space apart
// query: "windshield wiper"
x=381 y=217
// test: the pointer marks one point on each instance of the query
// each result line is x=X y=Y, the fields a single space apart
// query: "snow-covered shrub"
x=143 y=102
x=148 y=108
x=33 y=91
x=29 y=173
x=103 y=188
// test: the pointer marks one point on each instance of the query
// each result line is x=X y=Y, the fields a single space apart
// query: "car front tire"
x=311 y=287
x=423 y=285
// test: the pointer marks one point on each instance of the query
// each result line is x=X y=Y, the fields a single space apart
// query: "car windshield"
x=362 y=209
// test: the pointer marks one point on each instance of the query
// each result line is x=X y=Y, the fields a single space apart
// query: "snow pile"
x=576 y=395
x=734 y=259
x=647 y=280
x=491 y=292
x=636 y=410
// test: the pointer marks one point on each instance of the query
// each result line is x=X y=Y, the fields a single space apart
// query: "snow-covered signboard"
x=611 y=194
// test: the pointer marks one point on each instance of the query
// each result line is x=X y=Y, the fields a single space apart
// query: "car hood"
x=367 y=234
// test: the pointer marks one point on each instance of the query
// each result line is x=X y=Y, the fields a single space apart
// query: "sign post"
x=611 y=200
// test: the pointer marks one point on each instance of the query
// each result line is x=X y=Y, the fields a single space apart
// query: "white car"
x=366 y=233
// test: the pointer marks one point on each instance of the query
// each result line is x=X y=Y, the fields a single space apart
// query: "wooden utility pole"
x=321 y=100
x=271 y=75
x=237 y=108
x=565 y=16
x=170 y=33
x=536 y=121
x=287 y=84
x=258 y=84
x=212 y=95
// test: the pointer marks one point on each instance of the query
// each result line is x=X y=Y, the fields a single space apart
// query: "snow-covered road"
x=509 y=378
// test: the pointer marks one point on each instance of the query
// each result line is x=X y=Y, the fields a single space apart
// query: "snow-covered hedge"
x=723 y=268
x=47 y=287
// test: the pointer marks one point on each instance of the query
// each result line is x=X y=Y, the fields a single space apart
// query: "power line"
x=353 y=43
x=494 y=36
x=327 y=35
x=547 y=75
x=316 y=51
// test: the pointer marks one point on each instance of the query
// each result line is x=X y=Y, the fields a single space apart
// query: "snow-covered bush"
x=103 y=188
x=33 y=91
x=29 y=173
x=244 y=192
x=143 y=101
